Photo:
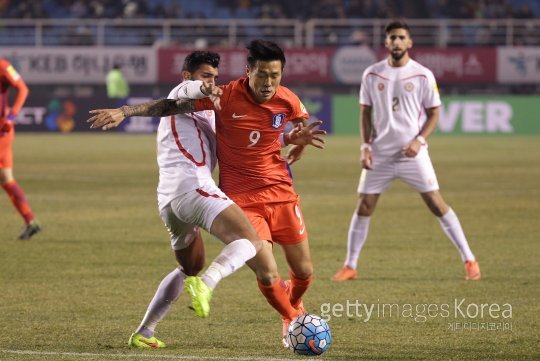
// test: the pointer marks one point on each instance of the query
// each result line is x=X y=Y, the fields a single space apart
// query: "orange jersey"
x=248 y=148
x=10 y=78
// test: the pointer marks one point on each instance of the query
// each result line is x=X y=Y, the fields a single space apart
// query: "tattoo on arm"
x=159 y=108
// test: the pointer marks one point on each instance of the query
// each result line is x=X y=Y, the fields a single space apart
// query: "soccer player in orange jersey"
x=251 y=114
x=9 y=78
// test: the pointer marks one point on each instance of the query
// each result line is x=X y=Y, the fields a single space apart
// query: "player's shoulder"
x=4 y=63
x=420 y=69
x=375 y=69
x=239 y=85
x=286 y=93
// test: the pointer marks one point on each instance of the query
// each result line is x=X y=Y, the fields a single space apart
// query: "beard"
x=397 y=56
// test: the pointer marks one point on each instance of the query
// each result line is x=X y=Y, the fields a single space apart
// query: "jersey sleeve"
x=299 y=111
x=16 y=81
x=207 y=104
x=365 y=97
x=431 y=97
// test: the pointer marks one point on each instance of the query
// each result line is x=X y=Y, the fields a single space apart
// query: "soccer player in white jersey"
x=405 y=101
x=188 y=199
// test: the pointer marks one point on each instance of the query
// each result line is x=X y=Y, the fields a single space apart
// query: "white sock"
x=451 y=226
x=232 y=257
x=166 y=295
x=358 y=231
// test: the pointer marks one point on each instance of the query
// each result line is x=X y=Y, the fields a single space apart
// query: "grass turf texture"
x=83 y=284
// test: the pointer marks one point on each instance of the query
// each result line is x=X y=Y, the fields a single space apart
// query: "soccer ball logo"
x=309 y=335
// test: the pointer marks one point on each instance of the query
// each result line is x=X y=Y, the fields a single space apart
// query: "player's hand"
x=366 y=158
x=7 y=125
x=106 y=118
x=213 y=92
x=411 y=150
x=306 y=135
x=294 y=153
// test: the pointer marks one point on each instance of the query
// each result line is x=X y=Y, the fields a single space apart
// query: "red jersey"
x=10 y=78
x=248 y=148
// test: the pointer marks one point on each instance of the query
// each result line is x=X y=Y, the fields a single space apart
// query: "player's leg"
x=371 y=185
x=265 y=267
x=273 y=288
x=188 y=247
x=298 y=258
x=419 y=173
x=12 y=188
x=451 y=226
x=233 y=228
x=210 y=208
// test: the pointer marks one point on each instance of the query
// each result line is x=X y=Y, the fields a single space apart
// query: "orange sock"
x=277 y=297
x=17 y=197
x=298 y=288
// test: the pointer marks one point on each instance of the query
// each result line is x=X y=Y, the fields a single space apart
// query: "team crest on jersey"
x=277 y=120
x=380 y=86
x=409 y=87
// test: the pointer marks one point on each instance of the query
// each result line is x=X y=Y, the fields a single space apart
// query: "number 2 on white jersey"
x=395 y=104
x=254 y=137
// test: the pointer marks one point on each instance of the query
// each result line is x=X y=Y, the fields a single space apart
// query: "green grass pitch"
x=77 y=290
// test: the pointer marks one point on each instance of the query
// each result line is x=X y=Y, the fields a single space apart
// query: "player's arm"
x=15 y=81
x=366 y=125
x=20 y=98
x=302 y=135
x=111 y=118
x=412 y=149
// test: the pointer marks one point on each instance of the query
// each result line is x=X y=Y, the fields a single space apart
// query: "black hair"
x=264 y=50
x=194 y=60
x=396 y=24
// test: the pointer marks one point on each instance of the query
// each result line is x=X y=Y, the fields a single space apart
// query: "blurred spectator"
x=298 y=9
x=117 y=85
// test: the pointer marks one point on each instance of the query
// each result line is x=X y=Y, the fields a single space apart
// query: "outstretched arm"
x=111 y=118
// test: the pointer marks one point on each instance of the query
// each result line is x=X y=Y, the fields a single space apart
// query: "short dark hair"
x=396 y=24
x=194 y=60
x=264 y=50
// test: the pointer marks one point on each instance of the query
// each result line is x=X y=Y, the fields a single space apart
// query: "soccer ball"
x=309 y=335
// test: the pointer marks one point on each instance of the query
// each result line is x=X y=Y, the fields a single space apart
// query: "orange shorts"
x=280 y=222
x=6 y=153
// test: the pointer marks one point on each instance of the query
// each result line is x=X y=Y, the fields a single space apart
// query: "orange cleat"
x=285 y=321
x=473 y=271
x=344 y=274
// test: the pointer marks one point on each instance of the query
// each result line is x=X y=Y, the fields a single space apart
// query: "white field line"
x=151 y=356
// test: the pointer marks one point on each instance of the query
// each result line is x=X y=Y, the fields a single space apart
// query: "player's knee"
x=364 y=209
x=304 y=272
x=267 y=278
x=193 y=268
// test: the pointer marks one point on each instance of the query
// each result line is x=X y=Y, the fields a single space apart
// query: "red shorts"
x=280 y=222
x=6 y=153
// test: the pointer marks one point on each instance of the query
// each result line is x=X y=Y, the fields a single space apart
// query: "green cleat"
x=201 y=294
x=139 y=341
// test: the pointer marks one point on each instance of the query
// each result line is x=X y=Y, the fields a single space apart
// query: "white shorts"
x=417 y=172
x=186 y=213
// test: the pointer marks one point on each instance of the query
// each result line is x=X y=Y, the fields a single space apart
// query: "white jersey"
x=186 y=151
x=399 y=97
